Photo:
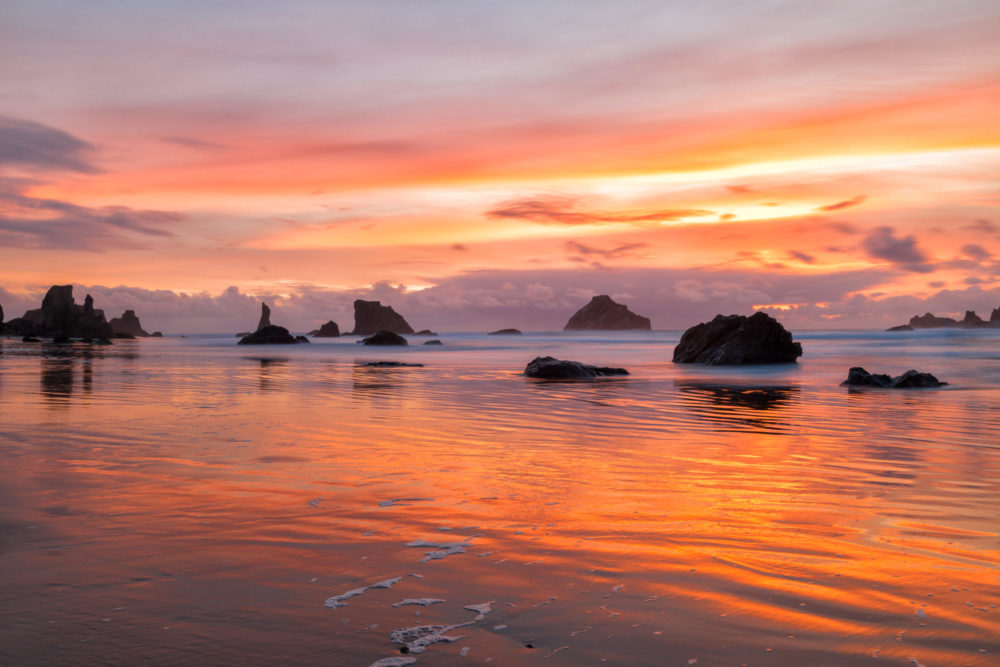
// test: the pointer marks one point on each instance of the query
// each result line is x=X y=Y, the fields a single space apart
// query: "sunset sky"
x=487 y=164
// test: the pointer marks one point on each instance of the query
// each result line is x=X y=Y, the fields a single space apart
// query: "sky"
x=480 y=165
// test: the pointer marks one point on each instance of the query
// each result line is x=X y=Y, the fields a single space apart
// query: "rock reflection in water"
x=380 y=381
x=742 y=404
x=57 y=379
x=272 y=371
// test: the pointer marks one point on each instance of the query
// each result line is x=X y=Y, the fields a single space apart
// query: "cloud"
x=625 y=250
x=795 y=254
x=551 y=209
x=882 y=243
x=841 y=205
x=983 y=225
x=25 y=143
x=976 y=251
x=459 y=247
x=30 y=222
x=192 y=142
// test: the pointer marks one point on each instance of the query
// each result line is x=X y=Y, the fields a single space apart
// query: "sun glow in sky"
x=496 y=164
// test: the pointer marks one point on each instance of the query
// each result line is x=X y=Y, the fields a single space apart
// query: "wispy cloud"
x=551 y=209
x=841 y=205
x=25 y=143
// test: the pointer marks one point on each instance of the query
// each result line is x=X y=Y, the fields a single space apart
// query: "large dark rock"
x=265 y=316
x=603 y=314
x=269 y=335
x=371 y=317
x=550 y=368
x=995 y=318
x=737 y=339
x=385 y=338
x=930 y=321
x=60 y=316
x=328 y=330
x=505 y=332
x=901 y=327
x=129 y=324
x=859 y=377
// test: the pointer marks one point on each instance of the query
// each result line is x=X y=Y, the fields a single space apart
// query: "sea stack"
x=128 y=324
x=328 y=330
x=737 y=340
x=603 y=314
x=371 y=317
x=550 y=368
x=265 y=316
x=60 y=316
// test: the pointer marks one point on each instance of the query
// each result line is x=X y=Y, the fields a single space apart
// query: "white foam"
x=394 y=662
x=423 y=602
x=339 y=600
x=444 y=549
x=419 y=637
x=394 y=502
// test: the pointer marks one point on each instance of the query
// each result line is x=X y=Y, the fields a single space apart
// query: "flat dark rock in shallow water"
x=859 y=377
x=550 y=368
x=385 y=338
x=392 y=364
x=730 y=340
x=434 y=342
x=269 y=335
x=505 y=332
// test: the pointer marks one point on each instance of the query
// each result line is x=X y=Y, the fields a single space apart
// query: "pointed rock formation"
x=736 y=340
x=60 y=316
x=371 y=317
x=265 y=316
x=603 y=314
x=328 y=330
x=128 y=324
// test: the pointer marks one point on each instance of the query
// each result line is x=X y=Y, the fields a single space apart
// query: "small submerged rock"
x=505 y=332
x=385 y=338
x=550 y=368
x=859 y=377
x=392 y=364
x=434 y=342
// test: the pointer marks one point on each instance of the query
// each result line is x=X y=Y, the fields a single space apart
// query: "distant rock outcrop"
x=434 y=342
x=931 y=321
x=61 y=317
x=372 y=317
x=385 y=338
x=425 y=332
x=328 y=330
x=265 y=316
x=269 y=335
x=737 y=339
x=129 y=324
x=859 y=377
x=505 y=332
x=550 y=368
x=603 y=314
x=156 y=334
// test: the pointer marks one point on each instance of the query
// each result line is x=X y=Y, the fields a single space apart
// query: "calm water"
x=188 y=501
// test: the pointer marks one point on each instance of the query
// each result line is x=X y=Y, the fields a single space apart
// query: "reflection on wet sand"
x=731 y=404
x=380 y=382
x=271 y=373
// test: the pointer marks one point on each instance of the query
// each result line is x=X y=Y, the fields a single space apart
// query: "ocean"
x=186 y=501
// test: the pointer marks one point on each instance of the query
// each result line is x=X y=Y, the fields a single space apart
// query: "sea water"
x=190 y=501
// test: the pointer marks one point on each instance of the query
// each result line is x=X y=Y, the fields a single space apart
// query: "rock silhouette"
x=127 y=324
x=505 y=332
x=61 y=317
x=328 y=330
x=269 y=335
x=265 y=316
x=603 y=314
x=931 y=321
x=550 y=368
x=737 y=340
x=385 y=338
x=371 y=317
x=859 y=377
